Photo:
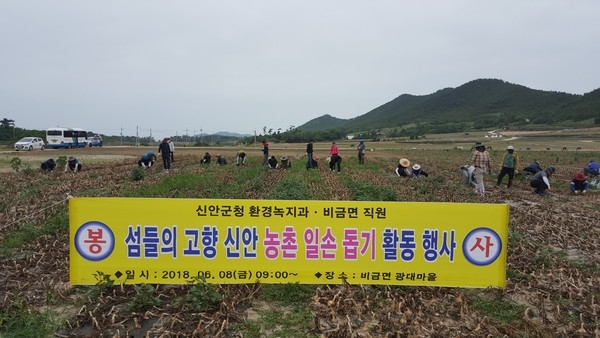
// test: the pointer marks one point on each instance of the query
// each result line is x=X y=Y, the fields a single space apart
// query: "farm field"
x=553 y=265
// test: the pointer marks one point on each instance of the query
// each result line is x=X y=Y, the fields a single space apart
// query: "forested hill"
x=481 y=103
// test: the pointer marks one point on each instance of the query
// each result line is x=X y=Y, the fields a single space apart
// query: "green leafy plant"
x=138 y=174
x=201 y=296
x=103 y=284
x=18 y=319
x=15 y=164
x=61 y=161
x=144 y=298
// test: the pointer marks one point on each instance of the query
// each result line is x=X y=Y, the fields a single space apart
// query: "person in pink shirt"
x=334 y=149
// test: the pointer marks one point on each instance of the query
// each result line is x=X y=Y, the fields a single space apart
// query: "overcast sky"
x=181 y=67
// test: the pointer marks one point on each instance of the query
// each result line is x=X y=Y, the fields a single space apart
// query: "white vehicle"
x=66 y=138
x=29 y=143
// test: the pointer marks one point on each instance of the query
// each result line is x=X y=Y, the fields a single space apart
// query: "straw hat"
x=404 y=162
x=416 y=167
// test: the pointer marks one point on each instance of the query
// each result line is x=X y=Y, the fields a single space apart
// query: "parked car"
x=96 y=141
x=30 y=143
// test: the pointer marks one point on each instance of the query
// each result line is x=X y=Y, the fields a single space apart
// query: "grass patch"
x=499 y=309
x=290 y=189
x=364 y=191
x=280 y=324
x=288 y=294
x=29 y=232
x=22 y=320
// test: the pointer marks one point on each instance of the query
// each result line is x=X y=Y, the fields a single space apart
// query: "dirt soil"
x=553 y=257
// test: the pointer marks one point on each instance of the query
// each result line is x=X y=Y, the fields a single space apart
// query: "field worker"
x=165 y=150
x=482 y=163
x=240 y=158
x=221 y=160
x=541 y=181
x=309 y=154
x=272 y=162
x=468 y=172
x=403 y=168
x=334 y=149
x=335 y=160
x=533 y=168
x=48 y=165
x=206 y=158
x=147 y=160
x=592 y=169
x=73 y=165
x=172 y=150
x=510 y=162
x=285 y=163
x=265 y=152
x=579 y=184
x=361 y=152
x=314 y=163
x=417 y=171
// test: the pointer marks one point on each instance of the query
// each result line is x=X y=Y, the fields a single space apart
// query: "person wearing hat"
x=165 y=150
x=403 y=168
x=579 y=183
x=73 y=165
x=285 y=163
x=147 y=160
x=510 y=162
x=361 y=152
x=541 y=182
x=417 y=171
x=482 y=162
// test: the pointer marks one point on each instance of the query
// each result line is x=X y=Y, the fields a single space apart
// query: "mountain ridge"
x=477 y=103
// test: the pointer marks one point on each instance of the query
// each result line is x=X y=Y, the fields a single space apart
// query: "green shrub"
x=144 y=298
x=138 y=174
x=61 y=161
x=201 y=296
x=15 y=164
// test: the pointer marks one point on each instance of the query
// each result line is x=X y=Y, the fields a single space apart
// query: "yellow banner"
x=171 y=241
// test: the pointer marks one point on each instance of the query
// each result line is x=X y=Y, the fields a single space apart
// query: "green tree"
x=7 y=123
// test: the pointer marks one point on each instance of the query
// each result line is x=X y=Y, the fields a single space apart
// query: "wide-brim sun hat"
x=579 y=176
x=404 y=162
x=416 y=167
x=510 y=148
x=283 y=158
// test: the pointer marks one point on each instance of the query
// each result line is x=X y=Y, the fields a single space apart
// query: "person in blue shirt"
x=418 y=172
x=592 y=169
x=147 y=160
